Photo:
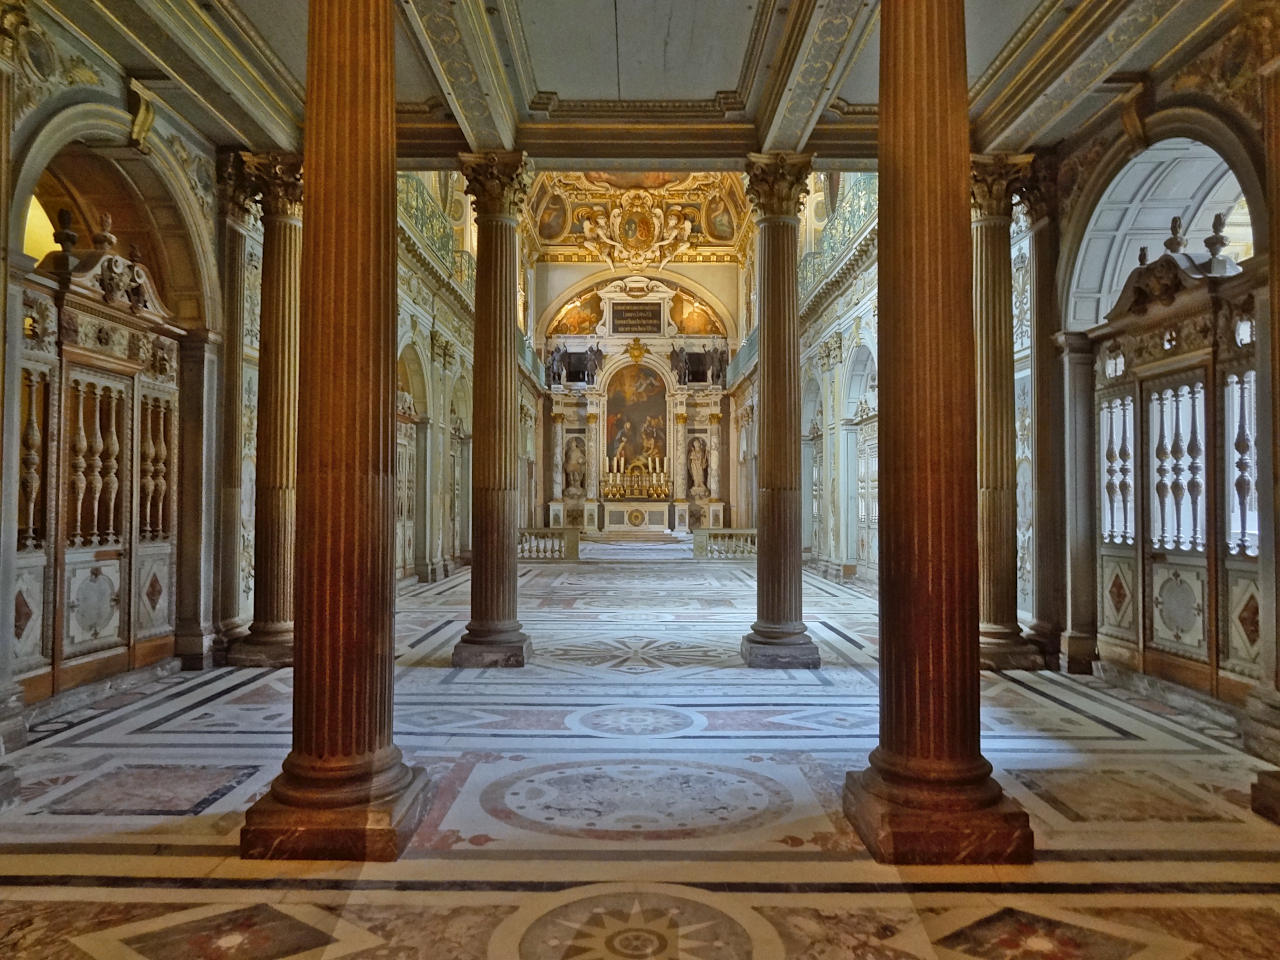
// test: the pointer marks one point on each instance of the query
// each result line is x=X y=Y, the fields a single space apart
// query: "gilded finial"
x=64 y=236
x=1175 y=243
x=104 y=239
x=1217 y=242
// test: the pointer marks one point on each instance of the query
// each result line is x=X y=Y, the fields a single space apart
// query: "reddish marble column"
x=1000 y=638
x=276 y=180
x=498 y=183
x=928 y=795
x=776 y=186
x=345 y=792
x=1262 y=720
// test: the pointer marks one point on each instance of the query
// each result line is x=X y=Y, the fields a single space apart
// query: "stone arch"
x=411 y=371
x=860 y=378
x=460 y=403
x=1239 y=150
x=586 y=284
x=159 y=184
x=810 y=402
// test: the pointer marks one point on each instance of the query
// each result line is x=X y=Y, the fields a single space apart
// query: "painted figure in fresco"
x=698 y=466
x=622 y=441
x=653 y=438
x=575 y=462
x=680 y=365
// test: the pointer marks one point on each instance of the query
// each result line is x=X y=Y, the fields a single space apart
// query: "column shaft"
x=1002 y=646
x=1048 y=563
x=1262 y=722
x=277 y=180
x=498 y=183
x=557 y=456
x=776 y=186
x=345 y=792
x=928 y=795
x=1080 y=637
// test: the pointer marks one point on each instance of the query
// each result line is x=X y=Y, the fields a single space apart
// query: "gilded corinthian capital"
x=276 y=180
x=777 y=182
x=996 y=178
x=498 y=181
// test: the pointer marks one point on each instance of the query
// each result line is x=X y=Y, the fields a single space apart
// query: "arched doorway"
x=112 y=369
x=1164 y=282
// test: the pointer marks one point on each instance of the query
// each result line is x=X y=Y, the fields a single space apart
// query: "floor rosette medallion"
x=634 y=922
x=636 y=800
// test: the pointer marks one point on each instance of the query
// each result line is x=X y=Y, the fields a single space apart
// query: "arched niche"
x=860 y=383
x=584 y=288
x=411 y=378
x=80 y=158
x=1221 y=150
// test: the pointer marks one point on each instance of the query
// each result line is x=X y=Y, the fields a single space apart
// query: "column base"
x=1078 y=652
x=1002 y=648
x=263 y=648
x=379 y=830
x=194 y=647
x=894 y=833
x=504 y=646
x=1266 y=795
x=1046 y=637
x=796 y=652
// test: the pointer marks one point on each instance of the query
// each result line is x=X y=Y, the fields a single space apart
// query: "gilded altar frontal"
x=639 y=480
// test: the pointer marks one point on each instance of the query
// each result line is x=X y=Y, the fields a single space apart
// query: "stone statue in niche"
x=680 y=365
x=717 y=364
x=595 y=363
x=555 y=366
x=698 y=467
x=575 y=463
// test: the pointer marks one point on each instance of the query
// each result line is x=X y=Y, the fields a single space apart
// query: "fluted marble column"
x=345 y=792
x=713 y=456
x=928 y=795
x=1048 y=564
x=776 y=186
x=1002 y=647
x=1262 y=722
x=276 y=180
x=1079 y=641
x=498 y=183
x=557 y=456
x=591 y=506
x=680 y=459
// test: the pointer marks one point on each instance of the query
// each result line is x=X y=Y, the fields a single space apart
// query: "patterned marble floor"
x=633 y=794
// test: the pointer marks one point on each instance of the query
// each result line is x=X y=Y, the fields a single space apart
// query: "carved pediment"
x=1175 y=273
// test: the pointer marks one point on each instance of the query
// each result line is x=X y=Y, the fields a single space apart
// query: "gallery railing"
x=744 y=359
x=854 y=212
x=548 y=543
x=421 y=214
x=724 y=544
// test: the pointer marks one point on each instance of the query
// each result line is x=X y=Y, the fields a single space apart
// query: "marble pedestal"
x=899 y=834
x=510 y=649
x=377 y=830
x=795 y=652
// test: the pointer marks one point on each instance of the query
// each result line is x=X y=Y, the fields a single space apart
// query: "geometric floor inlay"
x=635 y=792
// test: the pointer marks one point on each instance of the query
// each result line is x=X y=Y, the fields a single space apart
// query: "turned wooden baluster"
x=31 y=447
x=111 y=468
x=79 y=444
x=1112 y=470
x=161 y=528
x=1195 y=450
x=1126 y=467
x=95 y=461
x=1162 y=472
x=1177 y=451
x=1244 y=463
x=146 y=470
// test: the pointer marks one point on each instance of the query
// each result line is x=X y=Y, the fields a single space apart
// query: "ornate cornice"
x=996 y=178
x=275 y=179
x=497 y=181
x=1039 y=190
x=777 y=182
x=13 y=20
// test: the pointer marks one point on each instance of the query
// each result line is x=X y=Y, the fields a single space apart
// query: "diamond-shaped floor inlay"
x=232 y=932
x=1035 y=930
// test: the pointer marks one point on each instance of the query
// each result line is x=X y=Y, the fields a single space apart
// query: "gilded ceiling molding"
x=41 y=68
x=1228 y=71
x=498 y=181
x=13 y=20
x=822 y=41
x=275 y=179
x=996 y=178
x=777 y=183
x=460 y=46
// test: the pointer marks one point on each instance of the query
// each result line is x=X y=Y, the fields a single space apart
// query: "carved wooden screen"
x=98 y=470
x=406 y=483
x=1176 y=417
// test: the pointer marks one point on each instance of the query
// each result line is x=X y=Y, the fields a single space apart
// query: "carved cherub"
x=600 y=237
x=675 y=240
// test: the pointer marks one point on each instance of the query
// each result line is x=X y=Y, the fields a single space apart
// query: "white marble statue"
x=698 y=467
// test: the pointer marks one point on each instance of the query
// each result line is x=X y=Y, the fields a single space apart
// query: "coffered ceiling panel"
x=636 y=49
